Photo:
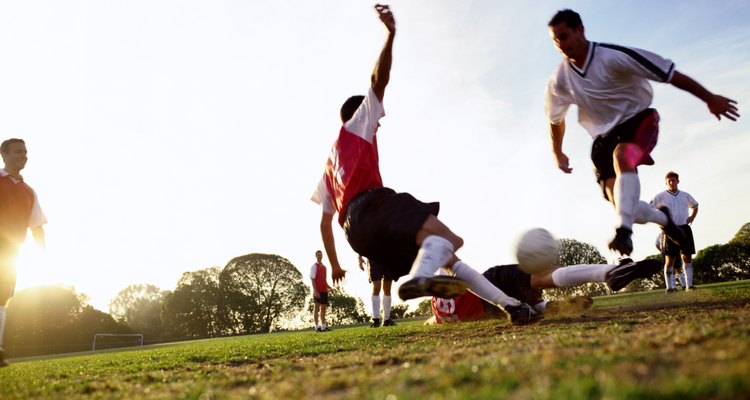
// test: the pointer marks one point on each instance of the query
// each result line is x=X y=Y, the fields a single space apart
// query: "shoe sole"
x=444 y=287
x=623 y=275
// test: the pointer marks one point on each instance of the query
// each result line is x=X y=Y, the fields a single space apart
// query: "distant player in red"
x=19 y=211
x=528 y=288
x=393 y=229
x=320 y=292
x=610 y=86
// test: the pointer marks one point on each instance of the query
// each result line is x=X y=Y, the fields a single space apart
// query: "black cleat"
x=628 y=271
x=389 y=322
x=522 y=314
x=622 y=242
x=673 y=232
x=444 y=287
x=672 y=290
x=575 y=304
x=375 y=323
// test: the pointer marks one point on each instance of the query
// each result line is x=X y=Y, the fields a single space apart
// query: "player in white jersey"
x=609 y=84
x=684 y=210
x=395 y=230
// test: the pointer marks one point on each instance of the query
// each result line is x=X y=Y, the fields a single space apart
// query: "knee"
x=627 y=156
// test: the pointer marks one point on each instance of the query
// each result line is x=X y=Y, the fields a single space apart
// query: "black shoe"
x=691 y=288
x=522 y=314
x=673 y=232
x=444 y=287
x=575 y=304
x=375 y=323
x=628 y=271
x=672 y=290
x=3 y=363
x=317 y=329
x=389 y=322
x=622 y=242
x=326 y=329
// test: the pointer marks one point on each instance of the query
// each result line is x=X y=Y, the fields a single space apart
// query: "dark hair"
x=568 y=16
x=350 y=106
x=672 y=174
x=5 y=147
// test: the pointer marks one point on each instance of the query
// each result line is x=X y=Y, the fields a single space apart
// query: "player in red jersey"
x=19 y=211
x=393 y=229
x=528 y=288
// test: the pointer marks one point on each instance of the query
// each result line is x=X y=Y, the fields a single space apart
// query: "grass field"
x=687 y=345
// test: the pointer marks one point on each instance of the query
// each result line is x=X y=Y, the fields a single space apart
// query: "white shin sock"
x=480 y=286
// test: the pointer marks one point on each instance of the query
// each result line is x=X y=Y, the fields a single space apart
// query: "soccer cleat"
x=326 y=329
x=628 y=271
x=3 y=363
x=317 y=329
x=622 y=242
x=521 y=314
x=375 y=323
x=444 y=287
x=673 y=232
x=672 y=290
x=575 y=304
x=389 y=322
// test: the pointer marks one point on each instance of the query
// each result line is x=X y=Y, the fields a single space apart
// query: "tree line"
x=259 y=293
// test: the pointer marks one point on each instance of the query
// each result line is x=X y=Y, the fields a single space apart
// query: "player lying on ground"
x=528 y=288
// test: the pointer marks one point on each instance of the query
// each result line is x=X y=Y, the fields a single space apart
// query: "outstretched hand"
x=563 y=163
x=384 y=11
x=337 y=274
x=722 y=106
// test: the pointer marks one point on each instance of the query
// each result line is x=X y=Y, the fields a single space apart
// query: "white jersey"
x=679 y=204
x=611 y=87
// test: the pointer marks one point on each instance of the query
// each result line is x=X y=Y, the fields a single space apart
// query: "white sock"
x=627 y=195
x=688 y=274
x=376 y=306
x=541 y=307
x=480 y=286
x=323 y=327
x=386 y=307
x=644 y=213
x=681 y=278
x=2 y=324
x=575 y=275
x=433 y=255
x=669 y=278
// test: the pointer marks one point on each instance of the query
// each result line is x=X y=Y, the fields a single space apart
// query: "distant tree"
x=343 y=309
x=53 y=319
x=192 y=309
x=573 y=252
x=260 y=292
x=743 y=235
x=399 y=311
x=139 y=306
x=721 y=263
x=424 y=309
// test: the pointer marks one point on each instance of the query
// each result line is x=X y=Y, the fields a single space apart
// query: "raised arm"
x=557 y=133
x=717 y=105
x=382 y=72
x=329 y=243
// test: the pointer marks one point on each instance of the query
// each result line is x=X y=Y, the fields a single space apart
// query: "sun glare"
x=33 y=267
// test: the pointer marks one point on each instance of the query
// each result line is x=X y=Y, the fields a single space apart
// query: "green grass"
x=687 y=345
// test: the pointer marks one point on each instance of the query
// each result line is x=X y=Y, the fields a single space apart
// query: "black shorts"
x=514 y=282
x=673 y=249
x=322 y=298
x=382 y=225
x=641 y=129
x=377 y=272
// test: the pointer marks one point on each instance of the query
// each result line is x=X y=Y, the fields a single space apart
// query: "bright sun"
x=33 y=267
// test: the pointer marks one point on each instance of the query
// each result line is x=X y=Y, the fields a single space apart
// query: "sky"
x=167 y=136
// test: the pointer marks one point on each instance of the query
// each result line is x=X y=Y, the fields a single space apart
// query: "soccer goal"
x=139 y=336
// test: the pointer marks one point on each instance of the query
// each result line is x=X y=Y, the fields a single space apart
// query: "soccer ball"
x=537 y=251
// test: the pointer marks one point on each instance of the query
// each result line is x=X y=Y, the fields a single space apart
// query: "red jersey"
x=318 y=275
x=353 y=164
x=17 y=201
x=466 y=307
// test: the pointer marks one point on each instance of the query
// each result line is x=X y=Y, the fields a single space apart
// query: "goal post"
x=136 y=335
